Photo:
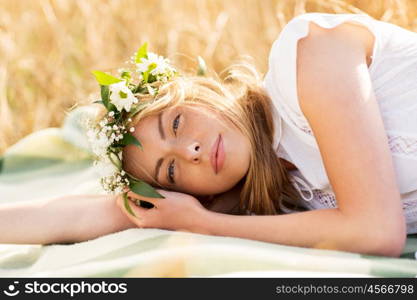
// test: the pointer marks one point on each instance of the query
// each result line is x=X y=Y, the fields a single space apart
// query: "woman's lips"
x=220 y=155
x=217 y=155
x=213 y=154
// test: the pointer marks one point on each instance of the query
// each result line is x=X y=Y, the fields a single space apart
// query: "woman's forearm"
x=324 y=229
x=99 y=217
x=61 y=220
x=26 y=223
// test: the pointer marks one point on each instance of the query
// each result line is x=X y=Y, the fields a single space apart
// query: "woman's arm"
x=336 y=96
x=61 y=220
x=320 y=229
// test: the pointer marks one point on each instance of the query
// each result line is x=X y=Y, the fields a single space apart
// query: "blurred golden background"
x=49 y=47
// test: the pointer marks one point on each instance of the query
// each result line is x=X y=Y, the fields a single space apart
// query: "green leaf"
x=138 y=89
x=141 y=53
x=1 y=164
x=202 y=67
x=99 y=102
x=129 y=139
x=104 y=78
x=115 y=160
x=105 y=97
x=143 y=189
x=105 y=94
x=145 y=76
x=116 y=147
x=151 y=78
x=136 y=109
x=126 y=75
x=133 y=178
x=127 y=205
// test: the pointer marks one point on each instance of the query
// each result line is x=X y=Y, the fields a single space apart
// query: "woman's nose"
x=192 y=152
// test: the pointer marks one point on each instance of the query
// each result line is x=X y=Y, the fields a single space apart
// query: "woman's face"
x=187 y=149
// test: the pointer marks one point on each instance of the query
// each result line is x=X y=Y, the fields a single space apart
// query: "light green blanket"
x=56 y=161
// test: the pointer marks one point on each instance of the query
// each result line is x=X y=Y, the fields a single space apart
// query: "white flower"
x=121 y=96
x=112 y=180
x=132 y=129
x=161 y=64
x=105 y=168
x=118 y=190
x=99 y=141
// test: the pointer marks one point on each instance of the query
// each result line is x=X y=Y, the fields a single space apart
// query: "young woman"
x=322 y=153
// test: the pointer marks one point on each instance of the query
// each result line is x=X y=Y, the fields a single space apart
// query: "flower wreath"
x=121 y=98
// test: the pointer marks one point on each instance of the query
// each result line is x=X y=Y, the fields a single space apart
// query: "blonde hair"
x=266 y=188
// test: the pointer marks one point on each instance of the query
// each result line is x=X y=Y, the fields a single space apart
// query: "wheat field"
x=49 y=47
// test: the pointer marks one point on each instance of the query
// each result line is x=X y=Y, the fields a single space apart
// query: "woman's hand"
x=177 y=211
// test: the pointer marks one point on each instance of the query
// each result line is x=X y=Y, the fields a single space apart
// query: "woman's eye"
x=171 y=172
x=176 y=123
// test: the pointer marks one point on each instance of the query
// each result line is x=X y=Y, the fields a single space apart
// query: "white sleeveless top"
x=393 y=73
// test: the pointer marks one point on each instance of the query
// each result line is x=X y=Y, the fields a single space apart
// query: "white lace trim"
x=298 y=180
x=398 y=143
x=325 y=199
x=328 y=199
x=304 y=127
x=307 y=130
x=402 y=145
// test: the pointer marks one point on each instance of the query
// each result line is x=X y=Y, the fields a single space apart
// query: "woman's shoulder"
x=283 y=53
x=325 y=36
x=284 y=49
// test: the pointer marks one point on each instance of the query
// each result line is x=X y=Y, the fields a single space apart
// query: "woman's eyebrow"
x=162 y=134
